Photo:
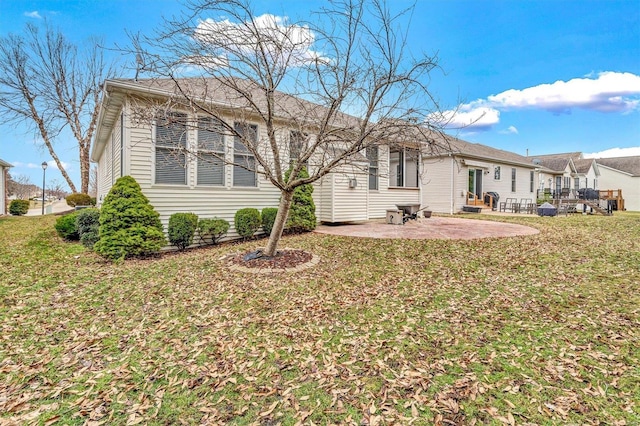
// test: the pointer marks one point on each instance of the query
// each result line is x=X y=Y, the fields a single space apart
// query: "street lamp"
x=44 y=172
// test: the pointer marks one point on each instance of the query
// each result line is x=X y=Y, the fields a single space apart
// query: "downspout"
x=122 y=141
x=451 y=206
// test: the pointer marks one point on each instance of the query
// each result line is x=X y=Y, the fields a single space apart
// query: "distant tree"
x=20 y=186
x=56 y=189
x=48 y=84
x=93 y=182
x=351 y=59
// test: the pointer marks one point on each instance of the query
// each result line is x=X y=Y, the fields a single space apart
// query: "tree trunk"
x=62 y=170
x=84 y=167
x=281 y=220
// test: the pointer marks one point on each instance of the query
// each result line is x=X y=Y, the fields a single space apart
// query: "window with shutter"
x=210 y=152
x=244 y=161
x=170 y=149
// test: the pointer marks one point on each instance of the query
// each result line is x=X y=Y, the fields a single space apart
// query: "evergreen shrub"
x=247 y=221
x=129 y=226
x=19 y=207
x=78 y=199
x=302 y=216
x=212 y=229
x=87 y=224
x=268 y=219
x=66 y=227
x=182 y=227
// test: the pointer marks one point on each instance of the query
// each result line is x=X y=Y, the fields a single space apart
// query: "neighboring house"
x=176 y=181
x=622 y=173
x=568 y=172
x=564 y=174
x=4 y=199
x=452 y=178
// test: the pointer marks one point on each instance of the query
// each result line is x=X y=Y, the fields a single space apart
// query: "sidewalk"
x=52 y=208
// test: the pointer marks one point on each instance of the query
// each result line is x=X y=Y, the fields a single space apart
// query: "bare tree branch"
x=46 y=83
x=344 y=82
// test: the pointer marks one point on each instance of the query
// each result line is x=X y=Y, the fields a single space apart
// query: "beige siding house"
x=467 y=171
x=361 y=190
x=622 y=173
x=4 y=196
x=565 y=174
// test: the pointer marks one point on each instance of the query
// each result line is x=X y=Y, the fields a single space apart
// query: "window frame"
x=297 y=145
x=401 y=173
x=373 y=155
x=216 y=157
x=497 y=173
x=245 y=154
x=514 y=175
x=532 y=180
x=180 y=160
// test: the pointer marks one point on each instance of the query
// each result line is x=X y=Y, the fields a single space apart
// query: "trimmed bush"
x=19 y=207
x=302 y=216
x=247 y=221
x=212 y=229
x=129 y=226
x=78 y=199
x=268 y=219
x=87 y=223
x=66 y=227
x=182 y=227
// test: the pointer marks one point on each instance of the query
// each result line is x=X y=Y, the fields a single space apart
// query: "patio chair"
x=527 y=205
x=507 y=205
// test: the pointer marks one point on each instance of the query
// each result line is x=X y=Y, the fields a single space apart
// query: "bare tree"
x=56 y=189
x=348 y=77
x=20 y=186
x=46 y=83
x=93 y=182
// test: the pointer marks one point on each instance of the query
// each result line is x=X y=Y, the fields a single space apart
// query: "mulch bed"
x=288 y=258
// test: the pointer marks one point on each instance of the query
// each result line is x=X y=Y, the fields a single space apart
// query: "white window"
x=496 y=173
x=531 y=180
x=244 y=169
x=513 y=179
x=170 y=149
x=297 y=146
x=403 y=168
x=210 y=152
x=372 y=156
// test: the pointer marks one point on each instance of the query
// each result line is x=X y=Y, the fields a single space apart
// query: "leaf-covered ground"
x=541 y=329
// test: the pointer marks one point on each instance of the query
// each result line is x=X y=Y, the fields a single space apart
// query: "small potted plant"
x=426 y=212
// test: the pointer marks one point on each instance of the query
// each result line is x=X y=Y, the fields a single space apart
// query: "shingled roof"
x=629 y=165
x=583 y=165
x=484 y=152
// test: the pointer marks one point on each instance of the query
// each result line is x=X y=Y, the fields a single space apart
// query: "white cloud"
x=33 y=14
x=50 y=165
x=615 y=152
x=284 y=43
x=608 y=92
x=468 y=117
x=511 y=130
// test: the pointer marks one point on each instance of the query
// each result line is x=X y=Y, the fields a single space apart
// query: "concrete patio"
x=444 y=228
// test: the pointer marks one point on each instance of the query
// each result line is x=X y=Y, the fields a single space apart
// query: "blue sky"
x=533 y=76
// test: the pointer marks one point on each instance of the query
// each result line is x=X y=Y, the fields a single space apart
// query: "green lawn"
x=542 y=329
